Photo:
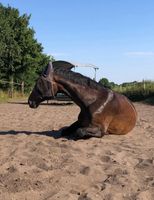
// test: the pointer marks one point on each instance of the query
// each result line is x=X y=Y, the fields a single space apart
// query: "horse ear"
x=63 y=64
x=48 y=69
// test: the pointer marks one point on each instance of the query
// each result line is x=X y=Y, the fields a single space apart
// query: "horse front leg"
x=87 y=132
x=71 y=129
x=76 y=125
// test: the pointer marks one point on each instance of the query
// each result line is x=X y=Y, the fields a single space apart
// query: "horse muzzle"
x=32 y=104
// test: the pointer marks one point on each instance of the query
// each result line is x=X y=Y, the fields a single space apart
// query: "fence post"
x=144 y=85
x=12 y=86
x=22 y=88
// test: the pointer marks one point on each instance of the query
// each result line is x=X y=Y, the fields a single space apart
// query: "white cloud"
x=140 y=53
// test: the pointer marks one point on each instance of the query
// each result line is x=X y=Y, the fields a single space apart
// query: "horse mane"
x=77 y=78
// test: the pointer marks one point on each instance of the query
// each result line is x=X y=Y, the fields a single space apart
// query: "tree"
x=105 y=82
x=21 y=56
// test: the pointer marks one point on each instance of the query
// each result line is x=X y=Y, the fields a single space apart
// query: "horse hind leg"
x=87 y=132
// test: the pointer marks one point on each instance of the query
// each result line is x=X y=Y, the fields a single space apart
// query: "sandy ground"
x=37 y=164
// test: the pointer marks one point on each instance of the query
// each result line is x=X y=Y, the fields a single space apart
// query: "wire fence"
x=11 y=85
x=14 y=89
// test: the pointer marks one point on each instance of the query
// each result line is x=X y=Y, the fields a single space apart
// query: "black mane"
x=77 y=78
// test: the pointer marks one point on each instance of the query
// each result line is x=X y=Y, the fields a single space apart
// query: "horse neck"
x=81 y=95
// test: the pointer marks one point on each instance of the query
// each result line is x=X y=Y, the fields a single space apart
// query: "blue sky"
x=115 y=35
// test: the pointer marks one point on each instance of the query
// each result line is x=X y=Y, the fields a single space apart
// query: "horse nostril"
x=31 y=104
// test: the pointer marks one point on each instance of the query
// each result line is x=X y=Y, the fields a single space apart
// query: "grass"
x=4 y=96
x=137 y=91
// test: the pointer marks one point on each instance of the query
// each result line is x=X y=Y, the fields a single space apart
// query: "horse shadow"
x=56 y=134
x=56 y=103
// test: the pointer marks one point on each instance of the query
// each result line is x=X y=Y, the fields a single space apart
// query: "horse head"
x=46 y=87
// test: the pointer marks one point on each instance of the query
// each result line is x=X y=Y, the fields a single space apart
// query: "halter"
x=51 y=83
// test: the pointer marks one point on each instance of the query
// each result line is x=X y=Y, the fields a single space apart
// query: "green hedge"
x=137 y=91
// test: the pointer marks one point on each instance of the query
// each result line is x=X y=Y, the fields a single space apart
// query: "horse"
x=102 y=111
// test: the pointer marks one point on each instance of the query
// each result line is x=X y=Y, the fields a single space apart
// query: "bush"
x=136 y=91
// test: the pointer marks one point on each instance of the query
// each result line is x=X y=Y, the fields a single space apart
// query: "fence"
x=12 y=85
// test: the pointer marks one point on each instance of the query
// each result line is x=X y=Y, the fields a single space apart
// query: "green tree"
x=105 y=82
x=21 y=56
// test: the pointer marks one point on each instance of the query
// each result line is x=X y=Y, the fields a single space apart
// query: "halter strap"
x=52 y=88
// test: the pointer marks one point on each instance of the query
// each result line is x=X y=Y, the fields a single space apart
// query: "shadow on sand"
x=56 y=103
x=56 y=134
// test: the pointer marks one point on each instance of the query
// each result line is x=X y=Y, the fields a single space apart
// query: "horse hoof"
x=82 y=134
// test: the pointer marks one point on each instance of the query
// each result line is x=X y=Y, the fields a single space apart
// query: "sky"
x=115 y=35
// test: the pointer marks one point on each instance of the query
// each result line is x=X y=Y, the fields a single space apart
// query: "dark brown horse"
x=102 y=110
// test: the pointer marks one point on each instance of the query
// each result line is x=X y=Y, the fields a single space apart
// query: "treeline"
x=136 y=91
x=21 y=55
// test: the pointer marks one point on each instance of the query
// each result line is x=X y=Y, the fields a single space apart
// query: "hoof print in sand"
x=84 y=170
x=84 y=197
